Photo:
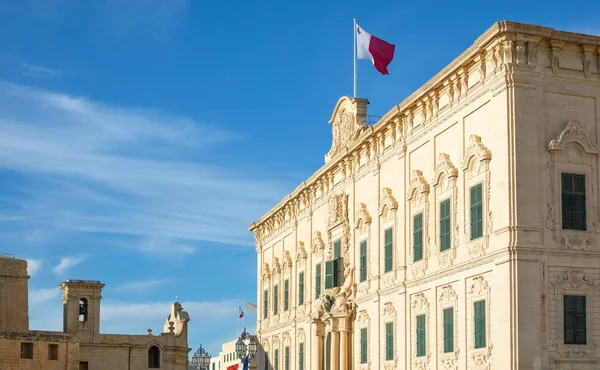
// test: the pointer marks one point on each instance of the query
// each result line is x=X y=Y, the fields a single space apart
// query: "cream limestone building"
x=80 y=346
x=458 y=232
x=228 y=357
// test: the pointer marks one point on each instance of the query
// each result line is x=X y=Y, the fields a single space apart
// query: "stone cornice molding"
x=504 y=44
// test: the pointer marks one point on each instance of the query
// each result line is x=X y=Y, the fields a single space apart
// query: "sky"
x=140 y=138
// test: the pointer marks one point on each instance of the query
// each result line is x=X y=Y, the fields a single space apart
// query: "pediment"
x=348 y=120
x=573 y=133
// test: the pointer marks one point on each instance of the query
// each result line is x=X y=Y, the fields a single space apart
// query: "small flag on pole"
x=250 y=307
x=241 y=312
x=380 y=52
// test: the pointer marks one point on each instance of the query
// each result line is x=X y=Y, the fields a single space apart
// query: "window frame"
x=388 y=249
x=442 y=219
x=414 y=237
x=585 y=326
x=27 y=350
x=574 y=194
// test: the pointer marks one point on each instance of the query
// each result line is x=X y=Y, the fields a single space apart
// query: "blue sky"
x=140 y=138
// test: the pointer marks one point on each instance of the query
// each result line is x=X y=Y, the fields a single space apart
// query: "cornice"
x=498 y=45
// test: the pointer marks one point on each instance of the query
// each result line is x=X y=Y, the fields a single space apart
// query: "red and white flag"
x=380 y=52
x=241 y=312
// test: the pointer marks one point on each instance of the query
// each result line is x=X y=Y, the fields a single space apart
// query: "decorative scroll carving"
x=532 y=54
x=286 y=338
x=476 y=150
x=318 y=244
x=287 y=261
x=565 y=352
x=449 y=361
x=276 y=342
x=363 y=317
x=418 y=188
x=387 y=201
x=447 y=294
x=348 y=121
x=481 y=357
x=389 y=310
x=301 y=336
x=265 y=344
x=419 y=302
x=363 y=217
x=556 y=46
x=300 y=252
x=576 y=279
x=266 y=271
x=338 y=209
x=444 y=167
x=276 y=269
x=478 y=286
x=573 y=133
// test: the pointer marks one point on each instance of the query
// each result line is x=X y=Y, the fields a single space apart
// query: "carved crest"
x=363 y=317
x=444 y=167
x=276 y=269
x=419 y=302
x=418 y=186
x=337 y=209
x=287 y=261
x=300 y=252
x=576 y=279
x=318 y=244
x=363 y=217
x=447 y=294
x=475 y=151
x=478 y=286
x=573 y=133
x=347 y=122
x=300 y=336
x=387 y=202
x=389 y=310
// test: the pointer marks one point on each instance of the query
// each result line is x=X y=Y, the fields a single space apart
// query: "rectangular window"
x=418 y=237
x=389 y=341
x=363 y=260
x=287 y=358
x=575 y=326
x=329 y=274
x=363 y=345
x=445 y=225
x=318 y=281
x=479 y=317
x=286 y=294
x=275 y=299
x=266 y=304
x=83 y=365
x=448 y=330
x=27 y=350
x=476 y=212
x=333 y=268
x=301 y=288
x=389 y=250
x=266 y=362
x=421 y=336
x=53 y=352
x=276 y=360
x=573 y=202
x=301 y=356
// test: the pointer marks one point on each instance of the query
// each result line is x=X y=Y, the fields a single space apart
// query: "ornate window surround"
x=476 y=167
x=572 y=152
x=575 y=282
x=318 y=257
x=389 y=315
x=447 y=297
x=478 y=289
x=418 y=201
x=363 y=233
x=444 y=183
x=301 y=338
x=288 y=275
x=419 y=306
x=301 y=257
x=388 y=207
x=275 y=281
x=364 y=321
x=276 y=345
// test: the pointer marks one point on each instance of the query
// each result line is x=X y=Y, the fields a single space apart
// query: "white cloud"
x=143 y=284
x=67 y=262
x=148 y=176
x=39 y=71
x=43 y=295
x=33 y=266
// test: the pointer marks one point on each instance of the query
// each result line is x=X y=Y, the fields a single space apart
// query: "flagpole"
x=355 y=57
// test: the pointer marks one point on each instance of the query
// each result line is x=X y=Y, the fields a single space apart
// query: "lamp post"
x=246 y=346
x=201 y=359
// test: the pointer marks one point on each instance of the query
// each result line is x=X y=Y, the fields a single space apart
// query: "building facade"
x=458 y=232
x=227 y=357
x=80 y=346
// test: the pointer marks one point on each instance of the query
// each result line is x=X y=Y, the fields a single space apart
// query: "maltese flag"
x=380 y=52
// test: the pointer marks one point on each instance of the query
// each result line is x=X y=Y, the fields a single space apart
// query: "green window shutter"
x=389 y=250
x=476 y=212
x=275 y=299
x=266 y=361
x=266 y=304
x=573 y=202
x=301 y=356
x=336 y=249
x=448 y=330
x=287 y=358
x=418 y=237
x=421 y=336
x=329 y=265
x=363 y=345
x=286 y=293
x=301 y=288
x=276 y=360
x=575 y=319
x=445 y=225
x=389 y=341
x=479 y=317
x=318 y=281
x=363 y=260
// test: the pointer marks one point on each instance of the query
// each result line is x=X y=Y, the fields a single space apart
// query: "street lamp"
x=201 y=359
x=246 y=346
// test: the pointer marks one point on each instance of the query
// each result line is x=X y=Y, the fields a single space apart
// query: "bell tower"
x=81 y=306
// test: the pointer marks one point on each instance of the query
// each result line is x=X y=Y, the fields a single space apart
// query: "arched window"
x=83 y=310
x=154 y=357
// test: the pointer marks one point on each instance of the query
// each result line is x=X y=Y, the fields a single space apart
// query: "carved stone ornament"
x=276 y=269
x=481 y=357
x=422 y=363
x=265 y=344
x=391 y=364
x=300 y=252
x=301 y=336
x=418 y=187
x=449 y=361
x=287 y=261
x=566 y=352
x=275 y=342
x=389 y=310
x=447 y=294
x=444 y=167
x=573 y=133
x=337 y=209
x=318 y=244
x=419 y=302
x=576 y=279
x=348 y=121
x=362 y=317
x=477 y=151
x=286 y=338
x=363 y=217
x=387 y=202
x=478 y=286
x=266 y=271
